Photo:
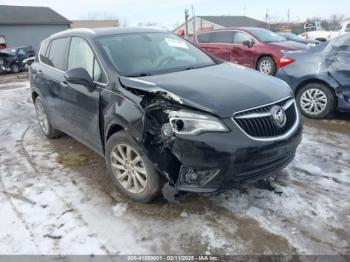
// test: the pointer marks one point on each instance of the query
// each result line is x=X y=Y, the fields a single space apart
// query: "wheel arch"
x=265 y=55
x=34 y=95
x=314 y=81
x=317 y=81
x=112 y=129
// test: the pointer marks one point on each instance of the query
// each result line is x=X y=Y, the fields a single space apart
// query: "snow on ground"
x=46 y=208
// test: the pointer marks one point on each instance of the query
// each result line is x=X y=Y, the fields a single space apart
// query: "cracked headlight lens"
x=192 y=123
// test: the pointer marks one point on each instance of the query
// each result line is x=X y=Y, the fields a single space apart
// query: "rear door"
x=48 y=76
x=242 y=54
x=218 y=43
x=80 y=103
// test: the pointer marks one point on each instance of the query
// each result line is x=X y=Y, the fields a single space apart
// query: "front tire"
x=130 y=168
x=315 y=101
x=267 y=66
x=43 y=119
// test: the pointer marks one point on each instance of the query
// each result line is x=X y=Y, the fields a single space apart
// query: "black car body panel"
x=11 y=56
x=327 y=63
x=141 y=105
x=231 y=92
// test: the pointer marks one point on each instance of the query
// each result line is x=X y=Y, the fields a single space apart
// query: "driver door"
x=81 y=104
x=242 y=54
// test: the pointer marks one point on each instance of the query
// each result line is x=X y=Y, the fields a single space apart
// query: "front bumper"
x=215 y=161
x=343 y=96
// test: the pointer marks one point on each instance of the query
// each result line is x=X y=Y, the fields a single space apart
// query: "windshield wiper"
x=140 y=75
x=196 y=67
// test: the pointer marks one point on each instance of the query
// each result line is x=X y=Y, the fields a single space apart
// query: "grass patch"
x=72 y=160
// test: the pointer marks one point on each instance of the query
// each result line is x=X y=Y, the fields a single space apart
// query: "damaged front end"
x=167 y=122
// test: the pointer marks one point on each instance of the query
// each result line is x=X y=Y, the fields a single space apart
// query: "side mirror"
x=247 y=43
x=79 y=76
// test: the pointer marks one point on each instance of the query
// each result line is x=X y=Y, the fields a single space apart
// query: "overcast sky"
x=169 y=12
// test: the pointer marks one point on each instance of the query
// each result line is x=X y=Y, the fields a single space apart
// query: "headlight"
x=311 y=45
x=192 y=123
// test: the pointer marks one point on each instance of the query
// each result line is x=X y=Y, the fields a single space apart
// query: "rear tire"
x=267 y=66
x=315 y=101
x=130 y=168
x=43 y=119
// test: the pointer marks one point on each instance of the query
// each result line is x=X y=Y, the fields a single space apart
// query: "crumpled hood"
x=289 y=45
x=221 y=89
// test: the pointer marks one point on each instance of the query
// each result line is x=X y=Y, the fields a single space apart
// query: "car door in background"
x=243 y=54
x=217 y=43
x=338 y=60
x=81 y=103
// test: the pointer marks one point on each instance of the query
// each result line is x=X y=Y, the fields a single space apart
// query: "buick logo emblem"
x=279 y=116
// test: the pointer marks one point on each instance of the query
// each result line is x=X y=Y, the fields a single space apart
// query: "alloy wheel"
x=128 y=168
x=42 y=117
x=265 y=67
x=313 y=101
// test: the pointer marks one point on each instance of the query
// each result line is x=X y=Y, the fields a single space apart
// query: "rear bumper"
x=218 y=161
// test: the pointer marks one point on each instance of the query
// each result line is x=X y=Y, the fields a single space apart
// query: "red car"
x=257 y=48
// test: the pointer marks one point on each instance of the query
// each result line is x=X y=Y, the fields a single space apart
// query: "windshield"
x=264 y=35
x=145 y=54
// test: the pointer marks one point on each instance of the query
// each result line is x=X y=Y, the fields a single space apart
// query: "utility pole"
x=288 y=17
x=193 y=20
x=267 y=18
x=186 y=23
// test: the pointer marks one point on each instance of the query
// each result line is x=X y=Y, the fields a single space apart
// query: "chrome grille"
x=259 y=122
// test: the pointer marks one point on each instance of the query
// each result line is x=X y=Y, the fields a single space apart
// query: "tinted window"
x=223 y=37
x=241 y=37
x=21 y=52
x=266 y=35
x=57 y=53
x=81 y=55
x=204 y=38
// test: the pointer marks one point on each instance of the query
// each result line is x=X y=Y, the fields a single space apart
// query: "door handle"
x=64 y=83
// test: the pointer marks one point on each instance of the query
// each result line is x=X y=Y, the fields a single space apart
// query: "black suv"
x=11 y=59
x=163 y=113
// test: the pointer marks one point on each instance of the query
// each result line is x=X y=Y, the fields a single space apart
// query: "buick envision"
x=164 y=114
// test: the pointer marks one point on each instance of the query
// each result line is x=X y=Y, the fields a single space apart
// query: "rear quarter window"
x=58 y=53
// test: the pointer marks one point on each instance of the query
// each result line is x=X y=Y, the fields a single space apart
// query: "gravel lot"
x=52 y=206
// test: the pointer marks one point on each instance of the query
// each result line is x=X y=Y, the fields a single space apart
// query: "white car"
x=327 y=35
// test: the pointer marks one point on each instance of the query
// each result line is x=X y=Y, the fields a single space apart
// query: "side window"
x=204 y=38
x=97 y=72
x=57 y=53
x=43 y=51
x=241 y=37
x=347 y=29
x=223 y=37
x=81 y=55
x=21 y=52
